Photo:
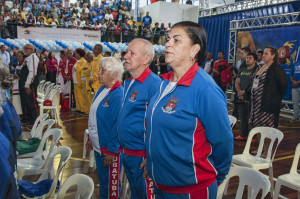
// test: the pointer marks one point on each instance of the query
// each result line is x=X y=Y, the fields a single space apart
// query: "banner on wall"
x=286 y=40
x=60 y=34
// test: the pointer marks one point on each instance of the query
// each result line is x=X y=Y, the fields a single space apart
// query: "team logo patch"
x=170 y=107
x=105 y=104
x=132 y=98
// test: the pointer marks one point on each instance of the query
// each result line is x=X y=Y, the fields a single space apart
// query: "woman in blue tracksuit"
x=189 y=142
x=103 y=126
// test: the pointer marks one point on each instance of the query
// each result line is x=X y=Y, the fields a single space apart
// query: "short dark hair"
x=197 y=35
x=62 y=52
x=221 y=52
x=273 y=51
x=260 y=51
x=254 y=55
x=80 y=52
x=98 y=46
x=246 y=49
x=123 y=53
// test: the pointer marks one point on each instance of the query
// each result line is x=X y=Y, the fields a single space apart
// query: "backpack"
x=226 y=76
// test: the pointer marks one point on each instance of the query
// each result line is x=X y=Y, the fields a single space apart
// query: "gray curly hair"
x=6 y=79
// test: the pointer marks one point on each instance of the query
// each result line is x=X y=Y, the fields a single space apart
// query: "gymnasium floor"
x=73 y=126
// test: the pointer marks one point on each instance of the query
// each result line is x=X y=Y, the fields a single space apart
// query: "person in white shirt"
x=86 y=10
x=209 y=64
x=9 y=3
x=14 y=9
x=108 y=16
x=259 y=53
x=4 y=55
x=26 y=9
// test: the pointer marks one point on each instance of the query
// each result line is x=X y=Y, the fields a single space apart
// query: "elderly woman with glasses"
x=103 y=126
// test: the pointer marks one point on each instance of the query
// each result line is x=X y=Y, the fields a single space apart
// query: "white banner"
x=60 y=34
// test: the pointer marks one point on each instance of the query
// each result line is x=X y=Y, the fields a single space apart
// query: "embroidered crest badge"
x=132 y=98
x=105 y=104
x=170 y=107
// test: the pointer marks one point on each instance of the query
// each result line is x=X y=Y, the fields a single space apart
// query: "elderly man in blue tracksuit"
x=131 y=122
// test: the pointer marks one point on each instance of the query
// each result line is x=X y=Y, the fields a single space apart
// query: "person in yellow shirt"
x=94 y=82
x=42 y=15
x=81 y=63
x=85 y=78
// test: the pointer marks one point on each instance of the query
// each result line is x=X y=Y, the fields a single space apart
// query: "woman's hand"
x=108 y=160
x=144 y=165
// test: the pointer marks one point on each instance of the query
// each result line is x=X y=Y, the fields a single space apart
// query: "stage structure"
x=205 y=11
x=274 y=21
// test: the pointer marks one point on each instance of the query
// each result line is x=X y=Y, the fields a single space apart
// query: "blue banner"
x=285 y=39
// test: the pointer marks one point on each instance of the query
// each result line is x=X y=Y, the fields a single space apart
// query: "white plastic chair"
x=247 y=177
x=56 y=135
x=40 y=86
x=292 y=179
x=39 y=130
x=85 y=187
x=232 y=120
x=255 y=161
x=38 y=121
x=41 y=93
x=91 y=155
x=49 y=171
x=55 y=106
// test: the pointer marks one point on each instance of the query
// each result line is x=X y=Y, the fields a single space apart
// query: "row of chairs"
x=41 y=161
x=49 y=92
x=257 y=162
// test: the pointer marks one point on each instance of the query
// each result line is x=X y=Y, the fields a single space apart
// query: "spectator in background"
x=35 y=11
x=103 y=27
x=47 y=6
x=162 y=37
x=209 y=64
x=110 y=30
x=109 y=16
x=37 y=4
x=54 y=11
x=114 y=7
x=168 y=29
x=132 y=31
x=125 y=31
x=9 y=4
x=26 y=9
x=28 y=3
x=41 y=22
x=148 y=33
x=217 y=69
x=20 y=20
x=11 y=27
x=153 y=65
x=147 y=19
x=243 y=89
x=30 y=20
x=140 y=33
x=163 y=68
x=118 y=31
x=295 y=79
x=14 y=9
x=156 y=33
x=51 y=67
x=4 y=55
x=45 y=12
x=14 y=60
x=259 y=57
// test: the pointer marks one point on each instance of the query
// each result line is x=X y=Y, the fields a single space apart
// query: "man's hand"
x=27 y=90
x=108 y=160
x=15 y=76
x=88 y=146
x=144 y=165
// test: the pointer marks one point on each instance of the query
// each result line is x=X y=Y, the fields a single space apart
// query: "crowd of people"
x=259 y=83
x=171 y=129
x=118 y=113
x=110 y=18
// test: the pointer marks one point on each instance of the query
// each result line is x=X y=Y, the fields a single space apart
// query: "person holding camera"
x=243 y=88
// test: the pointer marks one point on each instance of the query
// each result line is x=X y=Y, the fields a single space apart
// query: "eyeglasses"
x=27 y=48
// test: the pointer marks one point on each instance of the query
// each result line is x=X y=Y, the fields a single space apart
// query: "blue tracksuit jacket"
x=107 y=115
x=189 y=142
x=131 y=121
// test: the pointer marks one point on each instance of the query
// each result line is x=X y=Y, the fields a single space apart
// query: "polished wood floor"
x=74 y=124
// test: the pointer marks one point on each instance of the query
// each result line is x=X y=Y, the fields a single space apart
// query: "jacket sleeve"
x=281 y=79
x=95 y=70
x=212 y=112
x=114 y=144
x=32 y=65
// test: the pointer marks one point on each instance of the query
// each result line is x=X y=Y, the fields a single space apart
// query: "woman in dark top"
x=268 y=88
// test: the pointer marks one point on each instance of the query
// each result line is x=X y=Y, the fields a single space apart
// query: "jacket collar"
x=186 y=79
x=143 y=76
x=115 y=86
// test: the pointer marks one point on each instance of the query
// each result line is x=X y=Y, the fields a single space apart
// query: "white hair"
x=148 y=48
x=112 y=64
